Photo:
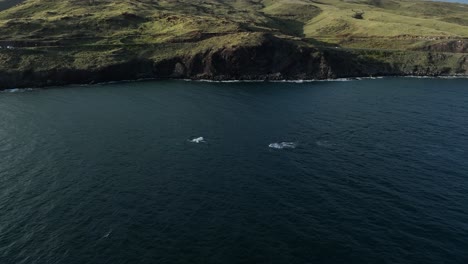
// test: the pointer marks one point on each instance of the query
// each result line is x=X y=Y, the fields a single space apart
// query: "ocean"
x=349 y=171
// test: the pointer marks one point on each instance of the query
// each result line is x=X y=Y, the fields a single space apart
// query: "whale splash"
x=198 y=140
x=283 y=145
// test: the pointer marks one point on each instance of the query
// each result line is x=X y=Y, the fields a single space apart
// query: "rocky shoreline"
x=38 y=85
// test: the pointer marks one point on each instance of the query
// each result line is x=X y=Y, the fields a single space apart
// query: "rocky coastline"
x=272 y=59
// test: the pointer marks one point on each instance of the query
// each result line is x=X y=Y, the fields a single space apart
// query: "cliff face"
x=278 y=59
x=271 y=59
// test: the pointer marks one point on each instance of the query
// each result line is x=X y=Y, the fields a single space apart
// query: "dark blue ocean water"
x=372 y=171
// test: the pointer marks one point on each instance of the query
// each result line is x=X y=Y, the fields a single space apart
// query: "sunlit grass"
x=92 y=33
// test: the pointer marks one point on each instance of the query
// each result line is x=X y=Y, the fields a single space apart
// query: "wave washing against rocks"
x=18 y=90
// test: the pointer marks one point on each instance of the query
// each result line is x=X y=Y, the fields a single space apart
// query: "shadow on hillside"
x=345 y=63
x=319 y=43
x=287 y=26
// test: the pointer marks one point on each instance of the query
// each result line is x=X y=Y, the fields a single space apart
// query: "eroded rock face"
x=278 y=59
x=272 y=59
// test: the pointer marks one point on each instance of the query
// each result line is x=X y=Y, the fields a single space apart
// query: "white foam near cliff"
x=18 y=90
x=287 y=81
x=437 y=77
x=283 y=145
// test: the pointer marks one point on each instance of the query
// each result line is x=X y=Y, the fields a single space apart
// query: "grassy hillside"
x=388 y=24
x=93 y=33
x=148 y=21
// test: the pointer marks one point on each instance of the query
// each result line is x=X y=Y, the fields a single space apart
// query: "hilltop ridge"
x=45 y=42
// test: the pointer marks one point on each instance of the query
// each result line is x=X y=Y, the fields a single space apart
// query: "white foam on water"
x=350 y=79
x=222 y=81
x=292 y=81
x=273 y=81
x=283 y=145
x=454 y=77
x=198 y=140
x=438 y=77
x=316 y=80
x=18 y=90
x=338 y=80
x=419 y=77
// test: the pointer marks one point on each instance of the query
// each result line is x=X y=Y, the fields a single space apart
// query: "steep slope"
x=49 y=42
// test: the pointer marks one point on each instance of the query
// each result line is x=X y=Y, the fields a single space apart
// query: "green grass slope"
x=149 y=21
